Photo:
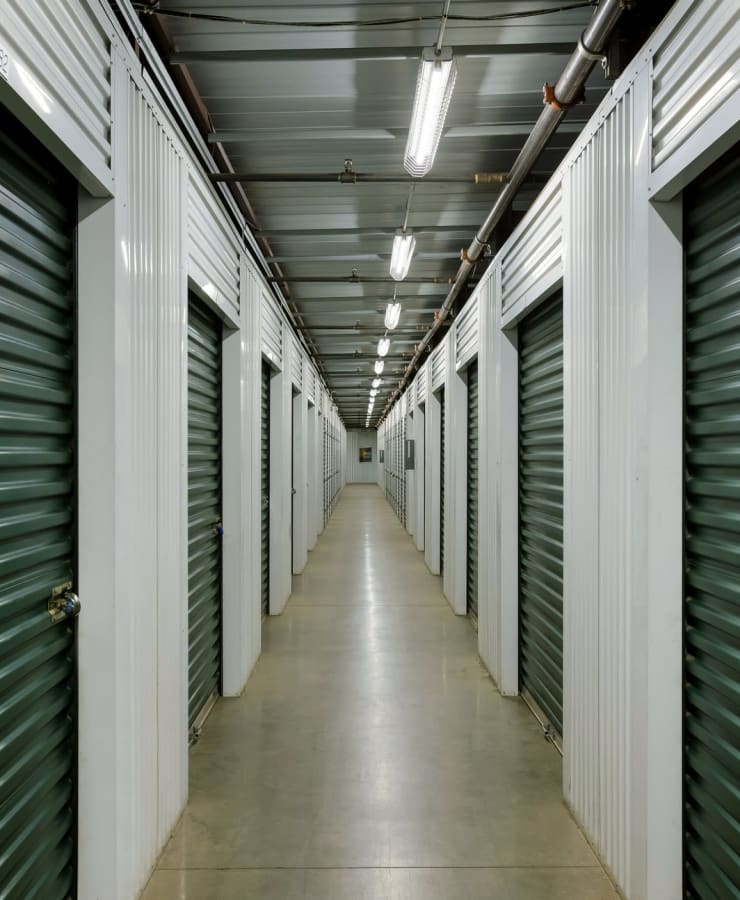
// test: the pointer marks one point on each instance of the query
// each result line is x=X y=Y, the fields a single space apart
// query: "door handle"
x=63 y=603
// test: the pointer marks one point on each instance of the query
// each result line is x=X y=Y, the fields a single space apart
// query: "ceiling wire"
x=156 y=9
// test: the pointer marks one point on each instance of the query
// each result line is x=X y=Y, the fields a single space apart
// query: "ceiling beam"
x=361 y=279
x=481 y=179
x=363 y=54
x=363 y=257
x=344 y=232
x=475 y=131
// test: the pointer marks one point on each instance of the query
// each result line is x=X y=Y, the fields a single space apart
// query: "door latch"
x=63 y=603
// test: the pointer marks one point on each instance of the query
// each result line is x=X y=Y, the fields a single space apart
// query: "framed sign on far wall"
x=366 y=454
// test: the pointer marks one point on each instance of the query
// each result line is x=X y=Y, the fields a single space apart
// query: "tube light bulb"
x=377 y=382
x=434 y=84
x=404 y=244
x=379 y=366
x=392 y=315
x=384 y=345
x=374 y=392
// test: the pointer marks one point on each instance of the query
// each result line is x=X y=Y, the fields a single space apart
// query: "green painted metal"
x=441 y=398
x=402 y=468
x=37 y=521
x=204 y=508
x=265 y=480
x=541 y=509
x=712 y=535
x=472 y=555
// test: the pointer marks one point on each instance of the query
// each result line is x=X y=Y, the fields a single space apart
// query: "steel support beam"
x=361 y=54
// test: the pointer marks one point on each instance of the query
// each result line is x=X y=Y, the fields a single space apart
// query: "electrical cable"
x=156 y=9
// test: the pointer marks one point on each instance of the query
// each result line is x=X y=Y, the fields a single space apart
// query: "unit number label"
x=4 y=63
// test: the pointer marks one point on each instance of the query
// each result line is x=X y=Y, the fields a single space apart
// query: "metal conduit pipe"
x=567 y=91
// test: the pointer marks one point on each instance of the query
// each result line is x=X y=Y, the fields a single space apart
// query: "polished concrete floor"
x=370 y=757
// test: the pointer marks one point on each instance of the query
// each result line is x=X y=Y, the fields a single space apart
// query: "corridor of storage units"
x=371 y=755
x=485 y=646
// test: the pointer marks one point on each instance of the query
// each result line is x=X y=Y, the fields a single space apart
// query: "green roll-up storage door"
x=204 y=509
x=37 y=529
x=402 y=468
x=712 y=535
x=441 y=397
x=472 y=565
x=265 y=473
x=541 y=509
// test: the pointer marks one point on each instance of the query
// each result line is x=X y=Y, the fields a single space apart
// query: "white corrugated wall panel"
x=581 y=496
x=531 y=260
x=614 y=187
x=695 y=72
x=421 y=385
x=57 y=57
x=601 y=491
x=271 y=330
x=296 y=363
x=155 y=772
x=439 y=366
x=466 y=332
x=357 y=472
x=213 y=250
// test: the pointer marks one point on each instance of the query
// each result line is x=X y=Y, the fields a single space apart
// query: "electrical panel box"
x=408 y=454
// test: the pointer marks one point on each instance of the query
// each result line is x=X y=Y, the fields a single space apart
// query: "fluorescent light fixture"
x=404 y=244
x=434 y=84
x=392 y=315
x=377 y=382
x=384 y=345
x=379 y=366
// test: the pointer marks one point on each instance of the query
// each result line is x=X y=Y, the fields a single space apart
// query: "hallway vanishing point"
x=370 y=756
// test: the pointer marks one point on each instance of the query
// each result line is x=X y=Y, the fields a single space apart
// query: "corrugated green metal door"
x=441 y=397
x=37 y=521
x=541 y=509
x=472 y=566
x=265 y=473
x=204 y=509
x=712 y=535
x=402 y=468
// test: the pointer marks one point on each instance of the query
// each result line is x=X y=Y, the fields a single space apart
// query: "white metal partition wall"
x=610 y=223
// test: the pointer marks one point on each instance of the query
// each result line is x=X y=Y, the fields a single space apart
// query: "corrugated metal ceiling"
x=302 y=100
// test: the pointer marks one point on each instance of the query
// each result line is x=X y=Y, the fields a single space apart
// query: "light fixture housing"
x=377 y=382
x=379 y=366
x=434 y=84
x=404 y=244
x=384 y=345
x=392 y=315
